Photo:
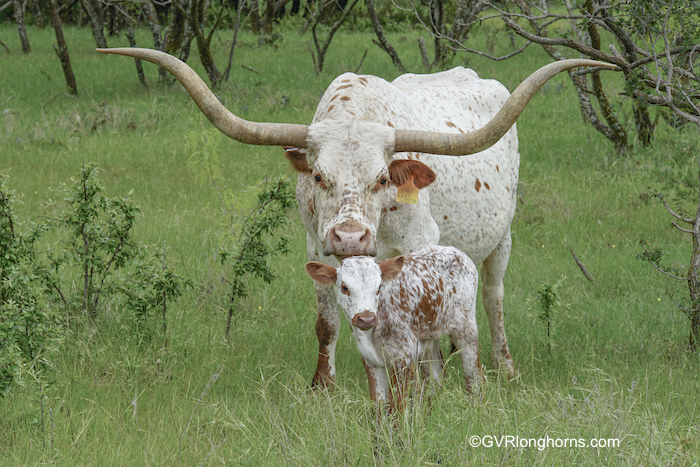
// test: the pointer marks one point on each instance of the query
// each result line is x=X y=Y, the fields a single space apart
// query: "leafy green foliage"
x=99 y=234
x=256 y=242
x=251 y=238
x=548 y=299
x=30 y=324
x=150 y=285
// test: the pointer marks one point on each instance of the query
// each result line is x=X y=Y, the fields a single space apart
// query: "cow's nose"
x=365 y=320
x=350 y=239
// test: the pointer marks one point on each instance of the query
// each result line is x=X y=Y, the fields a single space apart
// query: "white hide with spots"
x=430 y=294
x=470 y=205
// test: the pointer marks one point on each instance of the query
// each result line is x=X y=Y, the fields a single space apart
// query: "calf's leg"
x=327 y=329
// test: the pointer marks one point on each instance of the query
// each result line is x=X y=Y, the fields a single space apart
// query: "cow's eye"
x=344 y=289
x=319 y=181
x=381 y=183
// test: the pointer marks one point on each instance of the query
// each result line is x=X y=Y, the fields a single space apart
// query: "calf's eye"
x=318 y=178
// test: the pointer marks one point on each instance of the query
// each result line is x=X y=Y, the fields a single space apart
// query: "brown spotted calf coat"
x=398 y=310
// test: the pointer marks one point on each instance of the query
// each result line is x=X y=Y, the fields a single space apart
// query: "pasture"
x=616 y=365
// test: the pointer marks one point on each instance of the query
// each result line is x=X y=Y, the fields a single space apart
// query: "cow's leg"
x=492 y=273
x=432 y=365
x=327 y=329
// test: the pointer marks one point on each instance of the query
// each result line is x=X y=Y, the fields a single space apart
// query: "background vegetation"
x=610 y=361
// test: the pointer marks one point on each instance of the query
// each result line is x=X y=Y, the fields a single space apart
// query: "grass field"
x=618 y=367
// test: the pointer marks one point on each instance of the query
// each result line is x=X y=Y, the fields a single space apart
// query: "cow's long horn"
x=452 y=144
x=268 y=134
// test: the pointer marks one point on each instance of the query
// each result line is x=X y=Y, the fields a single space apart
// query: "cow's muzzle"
x=365 y=320
x=350 y=239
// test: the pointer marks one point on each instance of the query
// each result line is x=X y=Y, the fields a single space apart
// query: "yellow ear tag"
x=408 y=193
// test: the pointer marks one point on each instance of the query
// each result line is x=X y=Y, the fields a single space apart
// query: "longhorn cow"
x=369 y=137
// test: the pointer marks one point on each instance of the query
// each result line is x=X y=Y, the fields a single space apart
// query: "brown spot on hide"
x=430 y=303
x=393 y=208
x=363 y=80
x=390 y=124
x=330 y=108
x=324 y=332
x=345 y=81
x=345 y=86
x=504 y=351
x=445 y=217
x=297 y=158
x=402 y=169
x=497 y=169
x=487 y=186
x=451 y=125
x=477 y=185
x=345 y=98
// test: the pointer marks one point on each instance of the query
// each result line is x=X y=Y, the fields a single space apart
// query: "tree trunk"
x=131 y=36
x=188 y=35
x=197 y=16
x=255 y=17
x=694 y=287
x=694 y=281
x=437 y=17
x=234 y=41
x=38 y=17
x=94 y=12
x=382 y=41
x=19 y=17
x=158 y=43
x=62 y=49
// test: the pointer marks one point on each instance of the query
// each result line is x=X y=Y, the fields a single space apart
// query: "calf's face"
x=357 y=282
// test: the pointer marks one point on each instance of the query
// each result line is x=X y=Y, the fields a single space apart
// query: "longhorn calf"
x=367 y=138
x=400 y=307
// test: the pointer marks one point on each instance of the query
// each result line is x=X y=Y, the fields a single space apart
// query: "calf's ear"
x=321 y=273
x=298 y=158
x=391 y=267
x=401 y=169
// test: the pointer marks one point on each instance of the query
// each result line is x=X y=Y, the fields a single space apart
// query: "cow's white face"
x=350 y=170
x=357 y=282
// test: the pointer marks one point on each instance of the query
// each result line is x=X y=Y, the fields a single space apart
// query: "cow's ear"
x=401 y=169
x=321 y=273
x=298 y=159
x=391 y=267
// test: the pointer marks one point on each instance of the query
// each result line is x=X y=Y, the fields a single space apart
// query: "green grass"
x=618 y=368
